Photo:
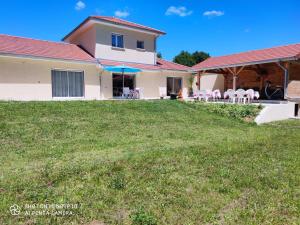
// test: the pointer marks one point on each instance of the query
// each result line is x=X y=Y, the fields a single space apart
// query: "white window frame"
x=117 y=35
x=143 y=45
x=69 y=97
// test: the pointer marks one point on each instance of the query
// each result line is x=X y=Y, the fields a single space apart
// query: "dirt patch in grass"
x=96 y=222
x=239 y=203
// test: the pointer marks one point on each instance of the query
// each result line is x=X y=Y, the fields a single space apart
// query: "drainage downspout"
x=100 y=67
x=286 y=78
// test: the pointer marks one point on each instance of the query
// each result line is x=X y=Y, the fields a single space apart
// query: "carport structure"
x=279 y=66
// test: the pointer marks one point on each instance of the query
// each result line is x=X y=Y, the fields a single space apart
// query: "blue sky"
x=216 y=26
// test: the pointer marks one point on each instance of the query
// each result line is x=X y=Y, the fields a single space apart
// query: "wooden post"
x=225 y=82
x=285 y=68
x=235 y=74
x=234 y=82
x=286 y=79
x=262 y=82
x=198 y=80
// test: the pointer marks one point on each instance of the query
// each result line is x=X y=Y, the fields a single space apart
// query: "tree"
x=200 y=56
x=184 y=58
x=159 y=55
x=188 y=59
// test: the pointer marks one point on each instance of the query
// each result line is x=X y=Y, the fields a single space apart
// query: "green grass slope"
x=146 y=162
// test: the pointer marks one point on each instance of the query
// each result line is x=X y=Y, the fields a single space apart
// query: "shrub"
x=141 y=217
x=241 y=112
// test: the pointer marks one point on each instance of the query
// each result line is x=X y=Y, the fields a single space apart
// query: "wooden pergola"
x=280 y=65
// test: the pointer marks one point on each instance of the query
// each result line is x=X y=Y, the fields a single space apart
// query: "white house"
x=75 y=68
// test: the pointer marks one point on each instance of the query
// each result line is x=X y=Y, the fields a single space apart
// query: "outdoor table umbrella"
x=122 y=69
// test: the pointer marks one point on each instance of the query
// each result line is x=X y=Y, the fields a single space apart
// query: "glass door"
x=129 y=81
x=174 y=85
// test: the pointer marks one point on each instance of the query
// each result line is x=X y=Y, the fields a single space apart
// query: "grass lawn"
x=146 y=162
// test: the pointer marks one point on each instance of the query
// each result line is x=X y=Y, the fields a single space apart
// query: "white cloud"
x=179 y=11
x=213 y=13
x=122 y=14
x=79 y=5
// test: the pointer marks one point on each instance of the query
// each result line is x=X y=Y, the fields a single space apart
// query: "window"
x=117 y=41
x=174 y=85
x=67 y=83
x=140 y=45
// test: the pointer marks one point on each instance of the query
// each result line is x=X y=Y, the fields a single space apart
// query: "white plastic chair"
x=196 y=94
x=201 y=95
x=226 y=93
x=204 y=95
x=250 y=95
x=216 y=94
x=162 y=92
x=230 y=94
x=126 y=92
x=256 y=95
x=240 y=94
x=208 y=95
x=139 y=92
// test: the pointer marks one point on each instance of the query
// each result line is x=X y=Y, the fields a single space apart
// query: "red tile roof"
x=167 y=65
x=117 y=21
x=161 y=65
x=251 y=57
x=11 y=45
x=45 y=49
x=127 y=23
